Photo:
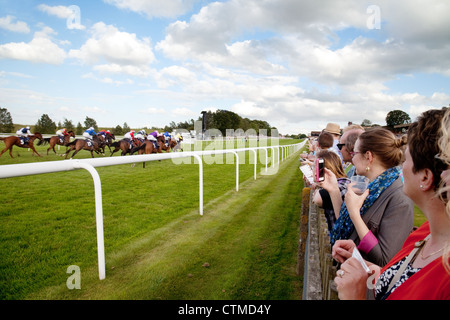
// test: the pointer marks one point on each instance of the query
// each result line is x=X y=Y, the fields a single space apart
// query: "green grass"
x=155 y=240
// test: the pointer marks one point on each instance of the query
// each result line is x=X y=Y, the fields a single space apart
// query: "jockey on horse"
x=141 y=135
x=61 y=133
x=12 y=141
x=23 y=134
x=152 y=137
x=89 y=135
x=131 y=138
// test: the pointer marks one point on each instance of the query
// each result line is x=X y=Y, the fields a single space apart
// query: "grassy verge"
x=156 y=243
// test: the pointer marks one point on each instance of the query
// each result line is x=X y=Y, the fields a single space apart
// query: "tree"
x=117 y=131
x=125 y=128
x=89 y=122
x=79 y=129
x=397 y=117
x=6 y=123
x=224 y=120
x=45 y=125
x=366 y=123
x=68 y=125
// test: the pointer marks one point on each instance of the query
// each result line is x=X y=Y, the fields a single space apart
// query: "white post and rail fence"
x=25 y=169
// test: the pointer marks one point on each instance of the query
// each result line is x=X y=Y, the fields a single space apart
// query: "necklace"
x=433 y=253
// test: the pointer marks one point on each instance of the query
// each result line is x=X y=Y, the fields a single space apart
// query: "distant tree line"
x=223 y=120
x=220 y=120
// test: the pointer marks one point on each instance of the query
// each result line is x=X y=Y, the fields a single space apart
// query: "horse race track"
x=157 y=246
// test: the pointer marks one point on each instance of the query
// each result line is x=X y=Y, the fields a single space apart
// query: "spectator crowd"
x=401 y=172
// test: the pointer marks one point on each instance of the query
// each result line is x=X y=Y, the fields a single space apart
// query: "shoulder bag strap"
x=418 y=245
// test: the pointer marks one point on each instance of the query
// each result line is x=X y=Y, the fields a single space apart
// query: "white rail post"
x=255 y=157
x=237 y=170
x=200 y=182
x=98 y=215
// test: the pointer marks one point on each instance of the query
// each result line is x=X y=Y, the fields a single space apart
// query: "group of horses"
x=97 y=144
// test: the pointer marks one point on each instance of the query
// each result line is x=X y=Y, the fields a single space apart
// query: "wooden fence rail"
x=314 y=252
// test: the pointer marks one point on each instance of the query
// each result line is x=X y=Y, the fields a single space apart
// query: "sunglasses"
x=340 y=145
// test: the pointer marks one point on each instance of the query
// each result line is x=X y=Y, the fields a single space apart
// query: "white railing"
x=25 y=169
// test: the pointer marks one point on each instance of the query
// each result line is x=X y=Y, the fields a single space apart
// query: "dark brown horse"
x=55 y=140
x=81 y=144
x=124 y=145
x=148 y=147
x=170 y=145
x=12 y=141
x=106 y=140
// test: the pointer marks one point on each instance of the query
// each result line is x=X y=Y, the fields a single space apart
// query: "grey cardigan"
x=391 y=220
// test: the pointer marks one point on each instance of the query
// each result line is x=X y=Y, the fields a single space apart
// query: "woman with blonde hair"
x=444 y=191
x=420 y=270
x=381 y=219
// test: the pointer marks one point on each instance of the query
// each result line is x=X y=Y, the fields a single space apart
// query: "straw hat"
x=333 y=128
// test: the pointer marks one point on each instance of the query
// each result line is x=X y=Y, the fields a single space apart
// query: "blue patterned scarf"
x=344 y=227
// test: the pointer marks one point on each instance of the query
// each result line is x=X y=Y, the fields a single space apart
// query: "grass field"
x=157 y=245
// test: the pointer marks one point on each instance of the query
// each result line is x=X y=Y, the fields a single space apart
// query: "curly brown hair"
x=423 y=138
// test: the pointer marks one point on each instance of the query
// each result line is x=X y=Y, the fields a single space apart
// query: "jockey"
x=61 y=133
x=166 y=138
x=89 y=134
x=141 y=135
x=130 y=136
x=23 y=134
x=102 y=132
x=152 y=137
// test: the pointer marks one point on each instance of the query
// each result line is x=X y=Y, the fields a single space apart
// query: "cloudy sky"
x=297 y=64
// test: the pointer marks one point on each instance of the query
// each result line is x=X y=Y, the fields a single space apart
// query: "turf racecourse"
x=157 y=246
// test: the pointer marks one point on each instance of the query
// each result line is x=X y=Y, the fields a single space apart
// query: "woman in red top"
x=421 y=269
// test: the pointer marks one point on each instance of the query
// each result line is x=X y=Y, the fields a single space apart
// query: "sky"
x=294 y=63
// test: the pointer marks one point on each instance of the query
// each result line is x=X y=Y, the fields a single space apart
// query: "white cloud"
x=184 y=112
x=40 y=49
x=155 y=8
x=152 y=110
x=107 y=80
x=8 y=23
x=95 y=109
x=114 y=68
x=123 y=52
x=62 y=12
x=72 y=14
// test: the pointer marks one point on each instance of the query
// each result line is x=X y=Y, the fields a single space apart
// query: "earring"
x=421 y=186
x=367 y=169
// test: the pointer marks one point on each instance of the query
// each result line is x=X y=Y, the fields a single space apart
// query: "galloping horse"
x=148 y=147
x=171 y=145
x=107 y=140
x=124 y=145
x=81 y=144
x=12 y=141
x=55 y=140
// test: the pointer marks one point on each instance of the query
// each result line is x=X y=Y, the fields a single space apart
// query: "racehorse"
x=55 y=140
x=172 y=143
x=12 y=141
x=148 y=147
x=124 y=145
x=81 y=144
x=107 y=140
